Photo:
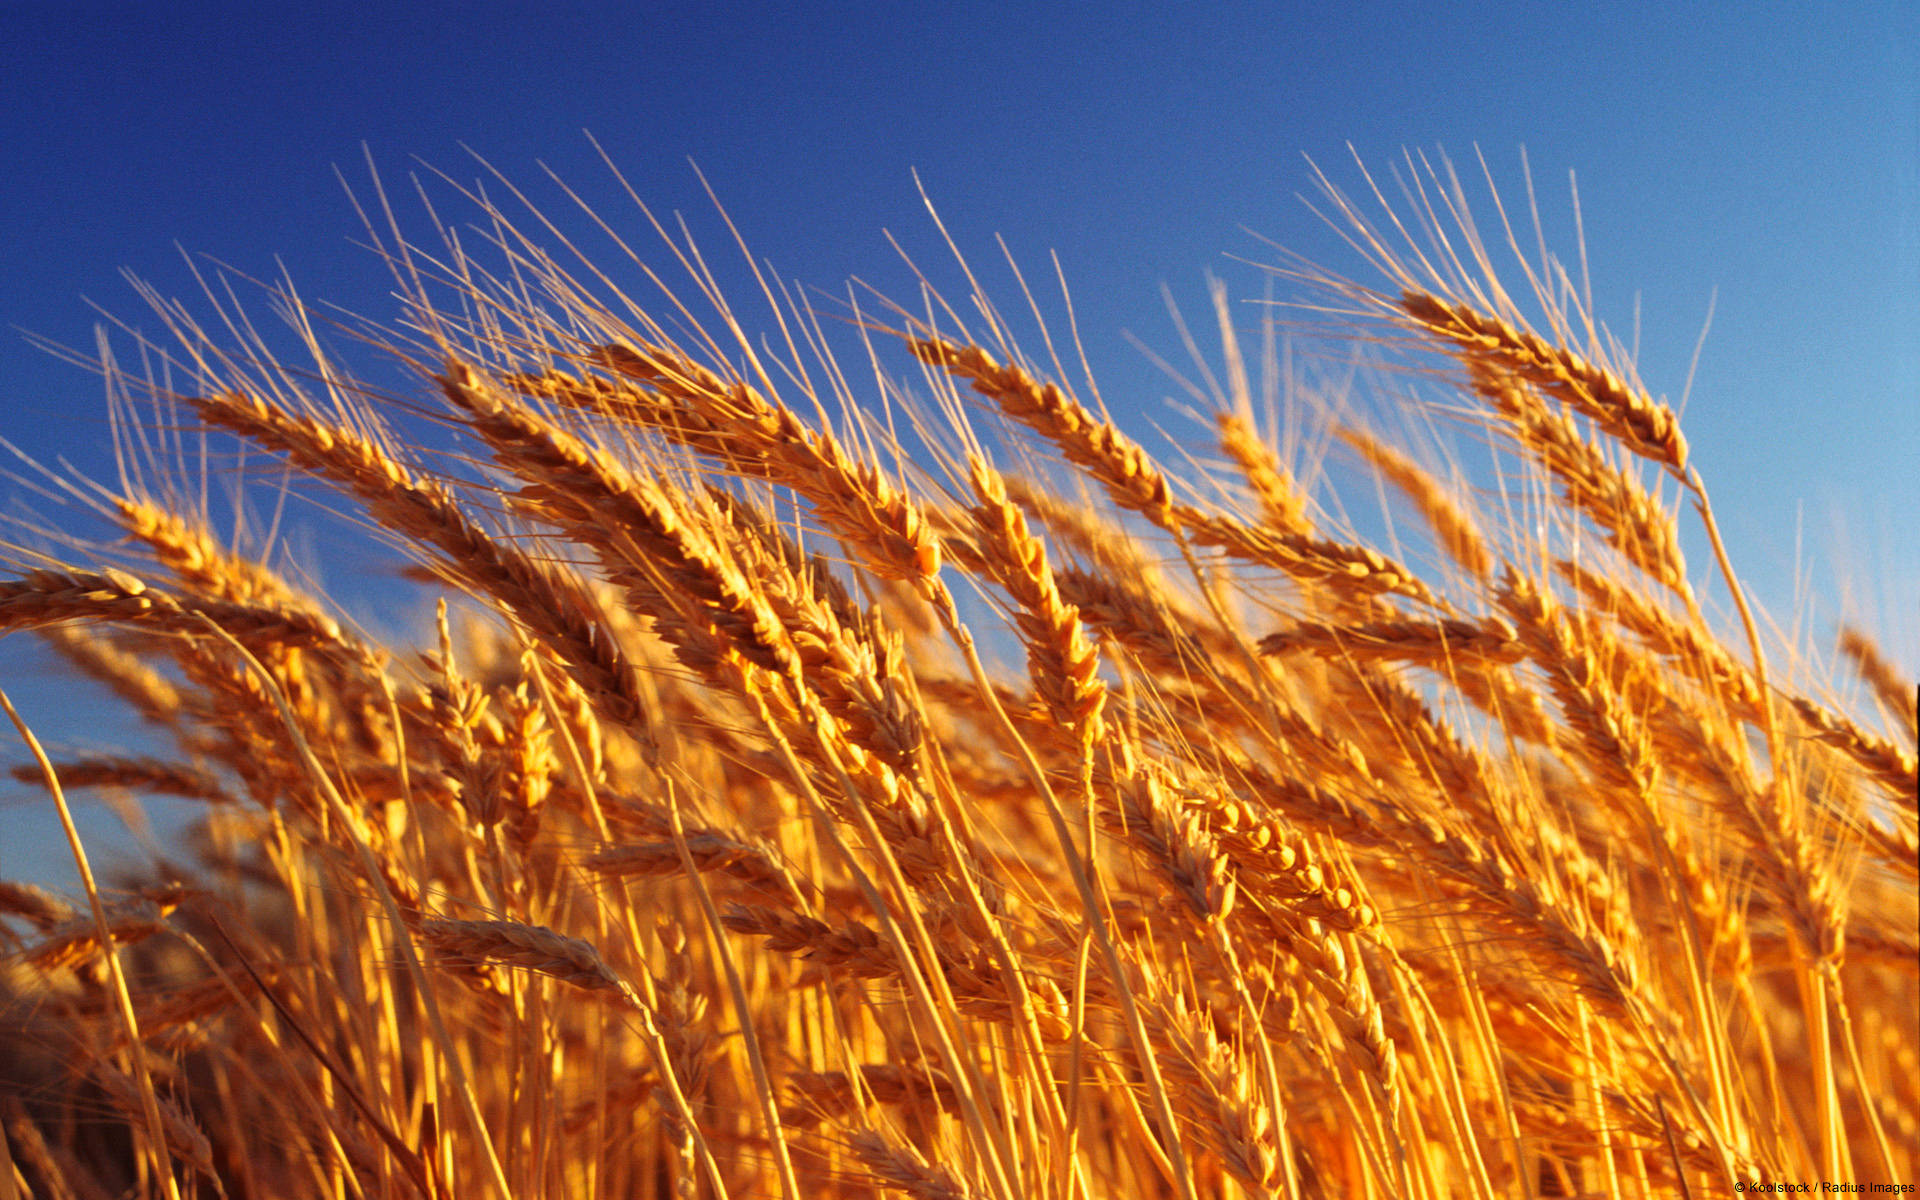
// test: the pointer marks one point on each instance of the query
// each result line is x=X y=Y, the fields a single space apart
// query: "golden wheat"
x=702 y=853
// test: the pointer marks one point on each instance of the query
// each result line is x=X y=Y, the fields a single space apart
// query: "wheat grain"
x=515 y=944
x=1641 y=424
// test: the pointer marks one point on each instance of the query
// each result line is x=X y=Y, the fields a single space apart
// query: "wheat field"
x=827 y=773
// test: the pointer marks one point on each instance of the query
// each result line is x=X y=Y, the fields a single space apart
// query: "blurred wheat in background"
x=710 y=847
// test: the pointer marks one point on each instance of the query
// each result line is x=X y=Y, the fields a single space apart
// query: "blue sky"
x=1764 y=158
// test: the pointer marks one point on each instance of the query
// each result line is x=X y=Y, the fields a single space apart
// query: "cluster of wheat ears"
x=799 y=800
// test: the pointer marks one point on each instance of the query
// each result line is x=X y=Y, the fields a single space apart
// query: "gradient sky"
x=1762 y=159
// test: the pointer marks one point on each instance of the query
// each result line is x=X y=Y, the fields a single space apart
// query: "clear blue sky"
x=1768 y=153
